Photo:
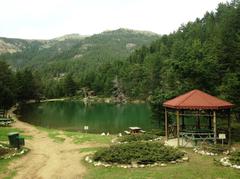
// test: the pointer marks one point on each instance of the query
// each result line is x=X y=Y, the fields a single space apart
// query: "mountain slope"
x=72 y=49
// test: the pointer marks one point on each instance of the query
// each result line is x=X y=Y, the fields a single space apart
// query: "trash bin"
x=12 y=137
x=21 y=141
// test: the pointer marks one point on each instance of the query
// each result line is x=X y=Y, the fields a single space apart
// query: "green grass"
x=5 y=130
x=79 y=138
x=199 y=167
x=53 y=134
x=89 y=149
x=4 y=170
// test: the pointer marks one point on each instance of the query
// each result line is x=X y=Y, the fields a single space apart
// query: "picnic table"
x=134 y=130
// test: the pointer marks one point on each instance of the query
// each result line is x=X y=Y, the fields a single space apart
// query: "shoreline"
x=91 y=99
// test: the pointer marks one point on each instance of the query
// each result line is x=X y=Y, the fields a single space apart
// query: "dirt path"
x=48 y=159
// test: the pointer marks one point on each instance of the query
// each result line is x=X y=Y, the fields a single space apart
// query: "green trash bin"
x=21 y=141
x=12 y=137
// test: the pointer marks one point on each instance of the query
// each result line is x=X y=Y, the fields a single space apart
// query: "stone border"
x=88 y=159
x=226 y=162
x=14 y=152
x=151 y=140
x=203 y=152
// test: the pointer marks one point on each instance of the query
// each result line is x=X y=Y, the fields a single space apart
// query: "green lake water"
x=101 y=117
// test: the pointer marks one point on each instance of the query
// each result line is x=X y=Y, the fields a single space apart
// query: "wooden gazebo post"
x=229 y=127
x=214 y=127
x=166 y=124
x=178 y=128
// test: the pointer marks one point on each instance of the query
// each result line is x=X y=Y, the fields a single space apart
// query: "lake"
x=100 y=117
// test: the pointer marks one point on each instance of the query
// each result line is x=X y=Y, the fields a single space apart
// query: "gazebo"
x=197 y=104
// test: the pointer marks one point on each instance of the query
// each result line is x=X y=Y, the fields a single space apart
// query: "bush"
x=235 y=158
x=216 y=148
x=138 y=152
x=4 y=150
x=137 y=137
x=156 y=132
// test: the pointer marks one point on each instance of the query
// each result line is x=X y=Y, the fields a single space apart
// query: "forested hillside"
x=204 y=54
x=72 y=51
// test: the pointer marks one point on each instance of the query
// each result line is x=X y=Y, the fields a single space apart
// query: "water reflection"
x=101 y=117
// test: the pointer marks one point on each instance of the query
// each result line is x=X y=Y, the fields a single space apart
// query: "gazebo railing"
x=172 y=129
x=195 y=136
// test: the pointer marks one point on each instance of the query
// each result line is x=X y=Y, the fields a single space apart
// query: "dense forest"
x=204 y=54
x=17 y=86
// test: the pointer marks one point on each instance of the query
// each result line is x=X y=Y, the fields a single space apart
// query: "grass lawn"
x=79 y=138
x=3 y=168
x=53 y=134
x=4 y=138
x=201 y=167
x=5 y=130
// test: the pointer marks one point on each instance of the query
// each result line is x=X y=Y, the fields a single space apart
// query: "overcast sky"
x=45 y=19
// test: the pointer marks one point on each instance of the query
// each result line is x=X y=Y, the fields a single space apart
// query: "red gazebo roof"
x=197 y=99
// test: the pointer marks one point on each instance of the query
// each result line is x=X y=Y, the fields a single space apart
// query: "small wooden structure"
x=197 y=103
x=134 y=130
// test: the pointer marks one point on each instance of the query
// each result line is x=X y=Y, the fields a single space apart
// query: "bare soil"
x=48 y=159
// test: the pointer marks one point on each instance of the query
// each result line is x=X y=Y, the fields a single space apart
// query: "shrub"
x=216 y=148
x=4 y=150
x=156 y=132
x=235 y=158
x=138 y=152
x=137 y=137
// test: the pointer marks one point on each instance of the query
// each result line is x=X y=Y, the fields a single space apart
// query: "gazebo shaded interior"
x=197 y=104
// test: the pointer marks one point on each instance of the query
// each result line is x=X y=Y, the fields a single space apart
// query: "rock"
x=163 y=165
x=179 y=161
x=123 y=166
x=106 y=165
x=173 y=162
x=22 y=152
x=185 y=159
x=226 y=152
x=97 y=164
x=108 y=134
x=134 y=165
x=141 y=166
x=103 y=134
x=236 y=166
x=120 y=134
x=87 y=158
